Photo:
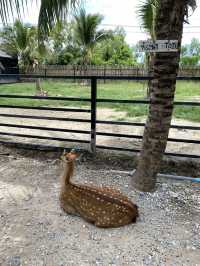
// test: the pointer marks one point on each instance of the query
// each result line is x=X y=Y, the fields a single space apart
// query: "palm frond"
x=147 y=11
x=86 y=27
x=52 y=11
x=103 y=35
x=86 y=32
x=9 y=7
x=191 y=4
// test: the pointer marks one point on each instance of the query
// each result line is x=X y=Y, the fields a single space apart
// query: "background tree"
x=169 y=26
x=62 y=48
x=86 y=33
x=20 y=40
x=114 y=50
x=190 y=53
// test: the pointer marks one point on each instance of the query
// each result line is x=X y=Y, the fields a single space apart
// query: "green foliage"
x=61 y=46
x=114 y=51
x=50 y=11
x=59 y=36
x=20 y=40
x=86 y=33
x=147 y=11
x=190 y=60
x=53 y=11
x=195 y=47
x=69 y=45
x=76 y=42
x=190 y=53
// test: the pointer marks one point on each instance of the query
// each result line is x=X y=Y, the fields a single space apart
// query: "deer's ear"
x=77 y=150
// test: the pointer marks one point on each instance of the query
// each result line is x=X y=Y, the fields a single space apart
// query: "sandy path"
x=102 y=114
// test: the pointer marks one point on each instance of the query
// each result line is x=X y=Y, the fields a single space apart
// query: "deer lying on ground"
x=104 y=207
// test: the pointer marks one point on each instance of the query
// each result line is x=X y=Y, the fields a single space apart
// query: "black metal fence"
x=103 y=71
x=93 y=101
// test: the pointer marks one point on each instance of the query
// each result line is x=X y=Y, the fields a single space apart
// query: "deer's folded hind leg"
x=116 y=220
x=102 y=224
x=69 y=209
x=85 y=216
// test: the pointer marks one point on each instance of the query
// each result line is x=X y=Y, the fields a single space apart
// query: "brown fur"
x=104 y=207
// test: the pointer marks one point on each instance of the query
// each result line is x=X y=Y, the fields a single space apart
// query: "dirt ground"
x=102 y=114
x=34 y=231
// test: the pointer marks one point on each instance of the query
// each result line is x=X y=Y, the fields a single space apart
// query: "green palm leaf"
x=147 y=11
x=9 y=7
x=87 y=34
x=50 y=11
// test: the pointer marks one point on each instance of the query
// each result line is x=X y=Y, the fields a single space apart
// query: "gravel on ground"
x=34 y=231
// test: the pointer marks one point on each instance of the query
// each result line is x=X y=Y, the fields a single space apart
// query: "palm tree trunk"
x=169 y=26
x=150 y=63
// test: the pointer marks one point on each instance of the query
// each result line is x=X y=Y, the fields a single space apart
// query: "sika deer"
x=104 y=207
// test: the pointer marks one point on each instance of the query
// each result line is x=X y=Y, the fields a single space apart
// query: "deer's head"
x=71 y=156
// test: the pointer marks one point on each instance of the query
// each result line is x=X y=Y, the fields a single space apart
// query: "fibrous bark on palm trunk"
x=150 y=60
x=169 y=26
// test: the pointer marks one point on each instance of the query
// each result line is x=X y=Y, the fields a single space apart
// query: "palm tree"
x=20 y=40
x=87 y=34
x=169 y=26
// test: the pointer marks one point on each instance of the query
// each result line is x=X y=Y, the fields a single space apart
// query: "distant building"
x=8 y=64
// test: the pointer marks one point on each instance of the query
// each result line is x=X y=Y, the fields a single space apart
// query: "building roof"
x=5 y=55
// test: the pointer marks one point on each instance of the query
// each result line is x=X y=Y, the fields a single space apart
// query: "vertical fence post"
x=74 y=68
x=93 y=113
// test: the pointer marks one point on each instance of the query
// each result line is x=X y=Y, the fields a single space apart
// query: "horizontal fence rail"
x=46 y=118
x=43 y=137
x=89 y=77
x=93 y=121
x=45 y=108
x=104 y=70
x=45 y=128
x=70 y=99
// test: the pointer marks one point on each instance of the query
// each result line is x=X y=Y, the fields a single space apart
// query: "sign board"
x=158 y=46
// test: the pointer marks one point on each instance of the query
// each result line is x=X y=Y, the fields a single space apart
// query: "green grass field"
x=185 y=91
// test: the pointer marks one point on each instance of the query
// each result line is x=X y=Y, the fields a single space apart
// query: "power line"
x=145 y=32
x=125 y=26
x=118 y=25
x=137 y=26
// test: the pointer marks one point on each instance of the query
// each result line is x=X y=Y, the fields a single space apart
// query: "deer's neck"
x=68 y=173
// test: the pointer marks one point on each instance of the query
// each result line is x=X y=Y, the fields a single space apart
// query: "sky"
x=124 y=13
